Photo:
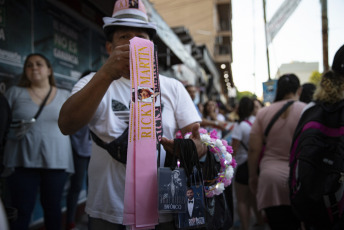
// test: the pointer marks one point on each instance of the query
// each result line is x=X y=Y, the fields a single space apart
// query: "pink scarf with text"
x=140 y=198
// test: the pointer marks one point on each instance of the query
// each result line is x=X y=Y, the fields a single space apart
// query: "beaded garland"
x=223 y=152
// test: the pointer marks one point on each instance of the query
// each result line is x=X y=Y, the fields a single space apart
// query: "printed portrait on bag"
x=172 y=189
x=194 y=215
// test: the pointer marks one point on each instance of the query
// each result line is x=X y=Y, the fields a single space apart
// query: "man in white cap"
x=102 y=99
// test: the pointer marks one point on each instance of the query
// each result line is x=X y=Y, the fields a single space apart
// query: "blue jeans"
x=76 y=182
x=23 y=186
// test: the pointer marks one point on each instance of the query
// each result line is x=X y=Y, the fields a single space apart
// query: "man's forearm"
x=78 y=110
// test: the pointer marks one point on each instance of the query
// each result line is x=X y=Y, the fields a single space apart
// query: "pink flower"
x=209 y=194
x=233 y=163
x=217 y=149
x=213 y=150
x=225 y=143
x=227 y=182
x=179 y=135
x=213 y=134
x=229 y=149
x=203 y=131
x=223 y=163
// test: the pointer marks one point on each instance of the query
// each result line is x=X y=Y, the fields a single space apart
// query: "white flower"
x=229 y=172
x=220 y=152
x=220 y=187
x=223 y=150
x=205 y=138
x=187 y=135
x=218 y=143
x=228 y=157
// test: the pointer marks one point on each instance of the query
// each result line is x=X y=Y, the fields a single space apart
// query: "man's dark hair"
x=188 y=86
x=245 y=109
x=307 y=92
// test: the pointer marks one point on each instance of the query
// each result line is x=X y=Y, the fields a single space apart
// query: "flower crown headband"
x=223 y=152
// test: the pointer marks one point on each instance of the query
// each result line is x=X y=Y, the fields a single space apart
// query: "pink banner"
x=140 y=199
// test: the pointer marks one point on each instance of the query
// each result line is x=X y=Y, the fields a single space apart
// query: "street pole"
x=266 y=41
x=324 y=23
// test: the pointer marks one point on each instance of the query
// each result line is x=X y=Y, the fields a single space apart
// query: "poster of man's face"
x=195 y=209
x=190 y=194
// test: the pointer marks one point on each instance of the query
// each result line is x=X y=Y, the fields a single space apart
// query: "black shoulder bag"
x=116 y=148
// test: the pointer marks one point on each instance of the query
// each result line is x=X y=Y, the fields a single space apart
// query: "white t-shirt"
x=241 y=132
x=106 y=175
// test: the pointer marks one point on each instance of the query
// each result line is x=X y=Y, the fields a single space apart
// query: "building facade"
x=209 y=24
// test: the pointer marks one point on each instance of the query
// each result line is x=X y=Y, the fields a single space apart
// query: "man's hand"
x=117 y=65
x=220 y=125
x=195 y=136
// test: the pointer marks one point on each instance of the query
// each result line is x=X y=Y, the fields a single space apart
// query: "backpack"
x=317 y=165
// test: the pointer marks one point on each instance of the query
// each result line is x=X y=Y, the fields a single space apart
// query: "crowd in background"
x=39 y=159
x=238 y=124
x=233 y=123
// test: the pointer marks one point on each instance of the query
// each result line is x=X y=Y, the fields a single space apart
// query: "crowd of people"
x=45 y=138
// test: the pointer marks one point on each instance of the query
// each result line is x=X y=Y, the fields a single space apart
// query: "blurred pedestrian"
x=5 y=120
x=82 y=148
x=192 y=90
x=270 y=184
x=257 y=106
x=307 y=92
x=317 y=195
x=212 y=119
x=42 y=159
x=233 y=115
x=246 y=200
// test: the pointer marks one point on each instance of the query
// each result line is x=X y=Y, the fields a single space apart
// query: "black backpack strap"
x=241 y=142
x=243 y=145
x=276 y=116
x=116 y=148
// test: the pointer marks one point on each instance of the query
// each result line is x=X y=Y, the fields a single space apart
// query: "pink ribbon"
x=140 y=198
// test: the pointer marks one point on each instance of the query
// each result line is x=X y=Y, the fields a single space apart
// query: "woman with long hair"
x=246 y=201
x=211 y=113
x=270 y=184
x=42 y=158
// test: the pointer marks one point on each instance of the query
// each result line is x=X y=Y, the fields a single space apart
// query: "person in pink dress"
x=268 y=177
